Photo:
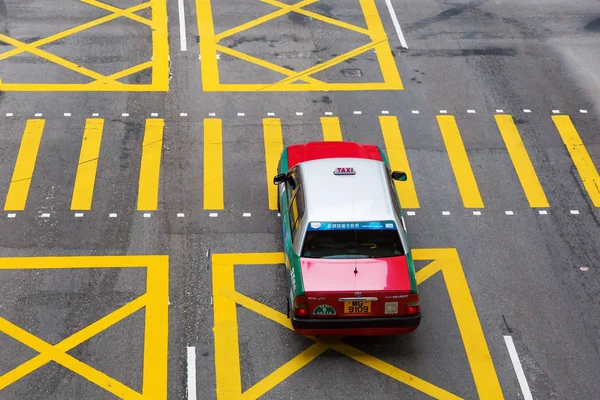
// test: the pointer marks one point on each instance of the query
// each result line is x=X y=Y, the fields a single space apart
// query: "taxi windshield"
x=352 y=243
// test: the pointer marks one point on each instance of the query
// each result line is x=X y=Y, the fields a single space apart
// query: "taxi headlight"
x=391 y=307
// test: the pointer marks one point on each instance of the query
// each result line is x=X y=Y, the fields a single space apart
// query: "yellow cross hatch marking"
x=88 y=164
x=273 y=147
x=213 y=164
x=209 y=40
x=227 y=356
x=150 y=165
x=332 y=132
x=99 y=82
x=155 y=302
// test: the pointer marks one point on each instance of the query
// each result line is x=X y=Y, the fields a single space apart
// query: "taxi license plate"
x=357 y=307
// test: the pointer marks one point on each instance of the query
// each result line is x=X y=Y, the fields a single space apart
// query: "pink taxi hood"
x=337 y=275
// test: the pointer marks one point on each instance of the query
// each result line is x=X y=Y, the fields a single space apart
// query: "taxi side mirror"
x=399 y=176
x=279 y=179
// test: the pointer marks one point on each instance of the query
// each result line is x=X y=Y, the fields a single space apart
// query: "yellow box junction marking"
x=289 y=83
x=582 y=160
x=465 y=179
x=273 y=148
x=150 y=165
x=25 y=165
x=396 y=153
x=523 y=166
x=98 y=82
x=213 y=164
x=227 y=356
x=332 y=132
x=85 y=179
x=155 y=301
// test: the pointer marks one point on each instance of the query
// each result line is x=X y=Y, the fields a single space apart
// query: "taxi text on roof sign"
x=344 y=171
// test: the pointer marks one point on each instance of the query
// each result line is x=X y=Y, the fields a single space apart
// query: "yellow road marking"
x=130 y=71
x=263 y=63
x=88 y=163
x=480 y=360
x=57 y=353
x=227 y=361
x=265 y=18
x=213 y=164
x=375 y=30
x=122 y=13
x=155 y=301
x=159 y=63
x=398 y=159
x=156 y=338
x=25 y=165
x=56 y=59
x=285 y=371
x=523 y=166
x=331 y=129
x=150 y=165
x=74 y=30
x=273 y=148
x=382 y=48
x=582 y=160
x=319 y=17
x=160 y=46
x=465 y=179
x=393 y=372
x=208 y=45
x=320 y=67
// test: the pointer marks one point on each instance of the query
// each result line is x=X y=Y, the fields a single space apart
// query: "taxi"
x=348 y=262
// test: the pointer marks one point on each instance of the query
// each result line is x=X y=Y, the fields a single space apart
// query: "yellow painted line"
x=465 y=179
x=25 y=165
x=382 y=48
x=85 y=179
x=319 y=17
x=331 y=129
x=227 y=354
x=428 y=271
x=393 y=372
x=290 y=87
x=156 y=334
x=273 y=148
x=263 y=19
x=54 y=58
x=398 y=159
x=263 y=63
x=208 y=45
x=480 y=360
x=320 y=67
x=130 y=71
x=76 y=29
x=119 y=11
x=582 y=160
x=523 y=166
x=160 y=46
x=284 y=372
x=150 y=165
x=213 y=164
x=57 y=353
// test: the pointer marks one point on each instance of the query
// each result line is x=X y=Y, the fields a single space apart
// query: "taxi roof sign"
x=344 y=171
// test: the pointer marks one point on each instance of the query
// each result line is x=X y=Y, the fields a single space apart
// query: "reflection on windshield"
x=352 y=243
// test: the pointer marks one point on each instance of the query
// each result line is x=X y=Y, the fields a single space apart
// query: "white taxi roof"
x=364 y=196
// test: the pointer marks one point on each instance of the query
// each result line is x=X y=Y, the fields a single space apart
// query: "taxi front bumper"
x=356 y=326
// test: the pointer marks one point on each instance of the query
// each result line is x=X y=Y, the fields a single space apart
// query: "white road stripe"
x=445 y=212
x=182 y=34
x=183 y=114
x=555 y=111
x=78 y=215
x=191 y=373
x=271 y=114
x=509 y=213
x=180 y=215
x=95 y=114
x=11 y=215
x=37 y=114
x=213 y=114
x=67 y=114
x=471 y=111
x=543 y=212
x=45 y=215
x=512 y=351
x=9 y=114
x=415 y=111
x=526 y=110
x=238 y=114
x=299 y=113
x=443 y=111
x=213 y=215
x=125 y=115
x=357 y=112
x=154 y=115
x=396 y=24
x=328 y=113
x=476 y=212
x=147 y=215
x=583 y=111
x=246 y=215
x=112 y=215
x=410 y=213
x=574 y=212
x=500 y=111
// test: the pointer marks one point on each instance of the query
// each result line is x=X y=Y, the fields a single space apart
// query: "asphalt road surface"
x=139 y=241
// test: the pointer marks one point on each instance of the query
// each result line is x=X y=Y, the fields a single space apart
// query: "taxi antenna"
x=355 y=270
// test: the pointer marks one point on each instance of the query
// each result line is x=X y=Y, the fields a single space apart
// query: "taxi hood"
x=364 y=274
